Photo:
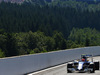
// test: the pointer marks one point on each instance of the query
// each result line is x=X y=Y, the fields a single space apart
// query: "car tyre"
x=69 y=66
x=93 y=67
x=96 y=65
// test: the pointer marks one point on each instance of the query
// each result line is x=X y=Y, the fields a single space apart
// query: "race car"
x=85 y=64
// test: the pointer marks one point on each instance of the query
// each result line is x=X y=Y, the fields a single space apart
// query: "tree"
x=60 y=42
x=11 y=45
x=85 y=36
x=22 y=45
x=2 y=54
x=3 y=42
x=87 y=41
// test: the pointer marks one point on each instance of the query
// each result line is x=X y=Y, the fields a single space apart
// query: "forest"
x=29 y=29
x=14 y=44
x=91 y=5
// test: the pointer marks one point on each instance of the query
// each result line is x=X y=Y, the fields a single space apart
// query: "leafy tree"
x=85 y=36
x=21 y=40
x=11 y=45
x=87 y=41
x=60 y=42
x=50 y=44
x=3 y=42
x=2 y=54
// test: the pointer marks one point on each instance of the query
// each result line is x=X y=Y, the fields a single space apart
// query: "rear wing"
x=85 y=55
x=89 y=56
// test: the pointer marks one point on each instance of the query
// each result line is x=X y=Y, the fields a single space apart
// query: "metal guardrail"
x=31 y=63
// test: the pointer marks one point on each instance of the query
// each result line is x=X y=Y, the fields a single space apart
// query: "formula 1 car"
x=83 y=65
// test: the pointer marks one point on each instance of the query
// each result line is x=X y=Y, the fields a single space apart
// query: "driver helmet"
x=83 y=59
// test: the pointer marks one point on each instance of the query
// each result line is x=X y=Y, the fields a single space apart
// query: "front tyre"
x=92 y=66
x=69 y=66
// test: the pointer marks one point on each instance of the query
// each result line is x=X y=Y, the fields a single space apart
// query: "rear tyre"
x=96 y=65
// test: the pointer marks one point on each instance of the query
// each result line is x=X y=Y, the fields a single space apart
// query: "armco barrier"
x=30 y=63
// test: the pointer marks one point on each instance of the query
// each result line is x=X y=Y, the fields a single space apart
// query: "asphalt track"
x=62 y=70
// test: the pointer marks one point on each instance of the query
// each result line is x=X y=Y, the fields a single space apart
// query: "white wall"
x=30 y=63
